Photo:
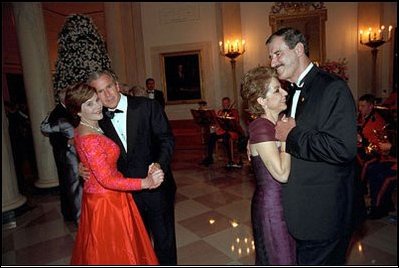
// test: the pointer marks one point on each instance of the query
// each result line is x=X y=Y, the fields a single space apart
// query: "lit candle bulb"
x=243 y=46
x=389 y=32
x=361 y=36
x=221 y=47
x=382 y=32
x=379 y=34
x=369 y=34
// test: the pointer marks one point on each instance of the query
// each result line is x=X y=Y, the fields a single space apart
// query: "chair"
x=231 y=147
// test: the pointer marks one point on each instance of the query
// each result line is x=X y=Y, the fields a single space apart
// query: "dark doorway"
x=20 y=130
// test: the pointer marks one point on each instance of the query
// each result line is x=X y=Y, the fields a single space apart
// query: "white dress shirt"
x=299 y=84
x=119 y=120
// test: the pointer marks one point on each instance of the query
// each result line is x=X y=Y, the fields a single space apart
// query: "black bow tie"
x=111 y=114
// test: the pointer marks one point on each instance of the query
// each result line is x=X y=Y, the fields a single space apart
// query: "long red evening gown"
x=111 y=230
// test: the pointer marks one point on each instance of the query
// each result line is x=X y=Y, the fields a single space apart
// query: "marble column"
x=10 y=196
x=125 y=41
x=37 y=79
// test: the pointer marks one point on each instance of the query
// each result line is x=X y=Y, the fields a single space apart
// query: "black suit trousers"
x=157 y=211
x=322 y=252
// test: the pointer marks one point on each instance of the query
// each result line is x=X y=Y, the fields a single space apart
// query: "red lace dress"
x=111 y=230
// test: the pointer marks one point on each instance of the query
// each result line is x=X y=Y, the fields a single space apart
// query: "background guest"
x=154 y=93
x=58 y=126
x=229 y=113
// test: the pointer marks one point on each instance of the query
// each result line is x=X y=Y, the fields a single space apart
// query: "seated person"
x=392 y=101
x=371 y=128
x=202 y=105
x=381 y=175
x=217 y=132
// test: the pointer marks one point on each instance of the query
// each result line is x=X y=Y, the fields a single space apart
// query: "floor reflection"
x=212 y=222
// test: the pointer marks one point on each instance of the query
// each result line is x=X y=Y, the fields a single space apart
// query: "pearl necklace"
x=98 y=129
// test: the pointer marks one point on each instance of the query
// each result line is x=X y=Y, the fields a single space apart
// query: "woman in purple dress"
x=271 y=164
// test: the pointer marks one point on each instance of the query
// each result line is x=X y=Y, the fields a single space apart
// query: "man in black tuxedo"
x=318 y=197
x=141 y=129
x=154 y=93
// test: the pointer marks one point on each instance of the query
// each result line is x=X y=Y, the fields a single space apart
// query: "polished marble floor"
x=212 y=223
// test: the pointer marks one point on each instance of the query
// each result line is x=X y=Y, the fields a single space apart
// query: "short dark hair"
x=95 y=75
x=369 y=98
x=75 y=96
x=149 y=79
x=291 y=37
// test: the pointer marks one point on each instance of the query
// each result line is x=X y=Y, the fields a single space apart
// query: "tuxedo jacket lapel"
x=301 y=103
x=291 y=93
x=303 y=97
x=131 y=125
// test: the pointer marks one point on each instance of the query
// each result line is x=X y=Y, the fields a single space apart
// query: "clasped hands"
x=283 y=127
x=154 y=177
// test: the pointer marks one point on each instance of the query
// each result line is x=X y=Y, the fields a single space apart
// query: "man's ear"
x=299 y=49
x=117 y=87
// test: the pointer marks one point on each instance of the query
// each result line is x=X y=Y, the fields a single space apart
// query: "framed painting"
x=181 y=77
x=311 y=23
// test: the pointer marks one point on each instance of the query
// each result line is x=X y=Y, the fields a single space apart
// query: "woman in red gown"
x=111 y=230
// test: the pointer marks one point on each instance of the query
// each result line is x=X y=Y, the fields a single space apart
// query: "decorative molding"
x=179 y=13
x=296 y=7
x=311 y=22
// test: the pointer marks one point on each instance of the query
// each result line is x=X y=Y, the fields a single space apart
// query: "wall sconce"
x=232 y=50
x=375 y=40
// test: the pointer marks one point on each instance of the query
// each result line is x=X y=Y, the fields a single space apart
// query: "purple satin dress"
x=273 y=244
